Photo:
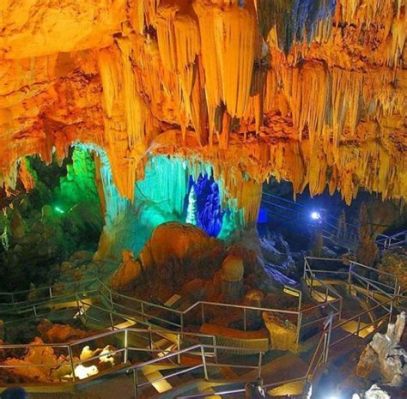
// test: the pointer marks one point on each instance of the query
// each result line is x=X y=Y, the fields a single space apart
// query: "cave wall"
x=52 y=213
x=313 y=92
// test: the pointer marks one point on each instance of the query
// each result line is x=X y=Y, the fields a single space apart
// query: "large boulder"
x=174 y=254
x=178 y=252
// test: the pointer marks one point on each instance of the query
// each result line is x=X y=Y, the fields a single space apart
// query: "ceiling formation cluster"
x=313 y=92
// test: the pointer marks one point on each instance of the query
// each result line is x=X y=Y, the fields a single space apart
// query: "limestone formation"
x=384 y=351
x=375 y=392
x=232 y=278
x=312 y=94
x=127 y=273
x=173 y=251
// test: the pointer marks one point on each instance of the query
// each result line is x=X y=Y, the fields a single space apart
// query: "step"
x=173 y=301
x=152 y=374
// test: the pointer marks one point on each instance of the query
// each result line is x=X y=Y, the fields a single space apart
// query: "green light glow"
x=58 y=209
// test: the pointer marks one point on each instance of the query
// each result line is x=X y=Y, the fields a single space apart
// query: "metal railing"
x=45 y=294
x=148 y=313
x=146 y=309
x=326 y=341
x=125 y=357
x=392 y=241
x=126 y=353
x=351 y=273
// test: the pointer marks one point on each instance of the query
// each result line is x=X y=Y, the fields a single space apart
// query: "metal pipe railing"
x=322 y=346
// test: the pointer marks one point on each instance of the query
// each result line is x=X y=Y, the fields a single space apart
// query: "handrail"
x=49 y=289
x=351 y=264
x=314 y=363
x=386 y=240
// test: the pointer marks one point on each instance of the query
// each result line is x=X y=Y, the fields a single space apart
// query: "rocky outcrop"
x=127 y=273
x=394 y=262
x=385 y=353
x=375 y=392
x=173 y=252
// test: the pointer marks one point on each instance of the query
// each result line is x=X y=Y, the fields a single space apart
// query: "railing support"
x=126 y=345
x=204 y=362
x=182 y=323
x=135 y=383
x=215 y=349
x=142 y=311
x=203 y=313
x=259 y=366
x=350 y=278
x=178 y=348
x=150 y=337
x=244 y=320
x=71 y=362
x=299 y=323
x=111 y=319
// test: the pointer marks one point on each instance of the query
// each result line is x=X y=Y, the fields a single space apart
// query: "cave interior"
x=203 y=198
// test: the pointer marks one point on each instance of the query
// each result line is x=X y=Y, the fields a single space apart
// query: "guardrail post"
x=391 y=310
x=350 y=278
x=327 y=337
x=111 y=320
x=50 y=292
x=111 y=298
x=142 y=311
x=203 y=313
x=135 y=383
x=244 y=320
x=178 y=348
x=150 y=337
x=126 y=344
x=204 y=362
x=71 y=362
x=305 y=269
x=259 y=366
x=215 y=349
x=182 y=323
x=299 y=324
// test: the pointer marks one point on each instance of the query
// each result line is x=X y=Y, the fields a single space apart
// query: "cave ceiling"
x=313 y=92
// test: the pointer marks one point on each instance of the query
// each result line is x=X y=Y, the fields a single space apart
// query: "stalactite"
x=25 y=175
x=179 y=45
x=309 y=91
x=228 y=74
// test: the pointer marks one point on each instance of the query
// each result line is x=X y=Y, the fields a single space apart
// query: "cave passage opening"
x=323 y=225
x=53 y=215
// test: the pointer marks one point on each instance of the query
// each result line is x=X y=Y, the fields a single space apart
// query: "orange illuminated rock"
x=129 y=270
x=210 y=79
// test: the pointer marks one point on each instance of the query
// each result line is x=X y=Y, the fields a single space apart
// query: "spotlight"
x=315 y=215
